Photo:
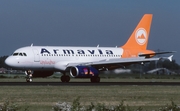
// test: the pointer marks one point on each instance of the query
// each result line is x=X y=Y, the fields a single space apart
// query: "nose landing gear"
x=29 y=75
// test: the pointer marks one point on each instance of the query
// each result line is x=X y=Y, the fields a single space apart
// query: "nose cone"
x=10 y=62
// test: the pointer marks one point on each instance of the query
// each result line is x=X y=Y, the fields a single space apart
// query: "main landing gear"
x=65 y=78
x=29 y=76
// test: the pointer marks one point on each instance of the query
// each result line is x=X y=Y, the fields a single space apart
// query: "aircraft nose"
x=10 y=61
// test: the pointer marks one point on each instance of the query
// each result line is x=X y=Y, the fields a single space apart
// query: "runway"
x=88 y=83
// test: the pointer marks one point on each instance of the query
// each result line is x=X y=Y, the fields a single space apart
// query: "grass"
x=43 y=98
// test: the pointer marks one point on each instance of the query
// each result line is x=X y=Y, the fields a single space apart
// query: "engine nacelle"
x=83 y=72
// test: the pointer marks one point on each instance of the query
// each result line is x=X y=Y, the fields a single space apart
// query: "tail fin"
x=139 y=38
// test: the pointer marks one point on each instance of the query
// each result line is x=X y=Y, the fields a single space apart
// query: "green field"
x=43 y=98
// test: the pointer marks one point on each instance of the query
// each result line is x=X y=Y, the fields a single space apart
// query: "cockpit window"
x=24 y=54
x=15 y=54
x=19 y=54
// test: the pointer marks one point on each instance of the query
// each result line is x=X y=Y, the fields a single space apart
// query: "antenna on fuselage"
x=31 y=44
x=98 y=45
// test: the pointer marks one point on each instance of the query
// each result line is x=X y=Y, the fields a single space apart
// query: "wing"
x=113 y=63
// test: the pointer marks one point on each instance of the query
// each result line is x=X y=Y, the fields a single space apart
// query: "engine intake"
x=83 y=72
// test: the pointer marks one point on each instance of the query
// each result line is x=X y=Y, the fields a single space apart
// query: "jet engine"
x=83 y=72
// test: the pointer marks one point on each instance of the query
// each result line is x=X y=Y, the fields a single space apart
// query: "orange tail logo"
x=139 y=37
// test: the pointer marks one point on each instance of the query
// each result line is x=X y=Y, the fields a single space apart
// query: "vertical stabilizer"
x=139 y=37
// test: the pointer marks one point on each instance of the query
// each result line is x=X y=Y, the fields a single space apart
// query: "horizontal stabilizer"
x=156 y=53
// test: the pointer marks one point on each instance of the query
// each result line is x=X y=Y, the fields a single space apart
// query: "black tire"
x=65 y=78
x=28 y=80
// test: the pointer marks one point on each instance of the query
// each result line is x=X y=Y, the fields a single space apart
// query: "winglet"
x=170 y=58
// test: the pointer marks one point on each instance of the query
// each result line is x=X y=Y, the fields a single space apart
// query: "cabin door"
x=36 y=55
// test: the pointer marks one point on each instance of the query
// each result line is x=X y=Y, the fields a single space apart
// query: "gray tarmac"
x=87 y=83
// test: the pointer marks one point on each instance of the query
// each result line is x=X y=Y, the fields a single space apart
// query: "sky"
x=108 y=23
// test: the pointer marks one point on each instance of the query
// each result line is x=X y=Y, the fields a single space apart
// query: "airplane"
x=84 y=62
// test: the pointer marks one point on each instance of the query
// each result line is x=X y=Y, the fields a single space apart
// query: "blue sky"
x=86 y=23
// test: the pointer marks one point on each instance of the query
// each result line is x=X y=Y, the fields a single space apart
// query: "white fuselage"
x=57 y=58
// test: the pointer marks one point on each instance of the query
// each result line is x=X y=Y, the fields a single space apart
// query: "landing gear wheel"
x=65 y=78
x=28 y=79
x=95 y=79
x=29 y=76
